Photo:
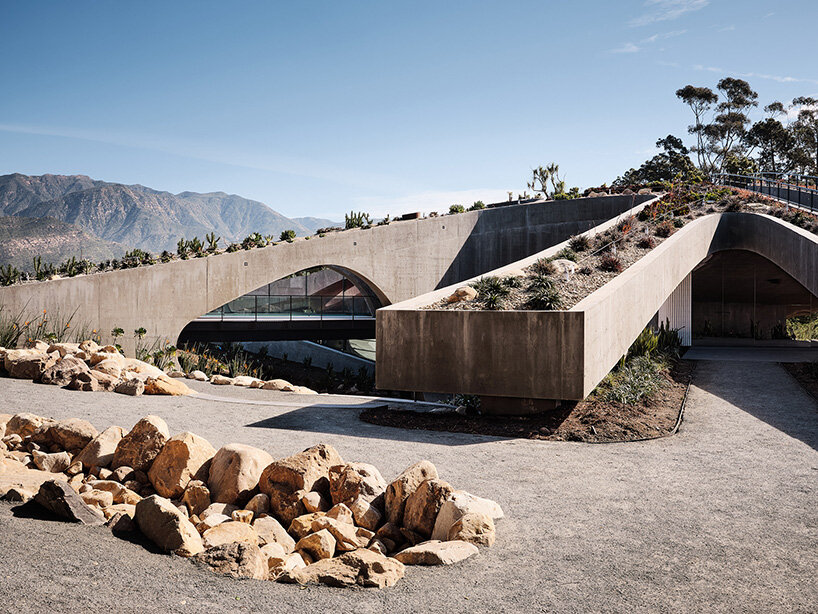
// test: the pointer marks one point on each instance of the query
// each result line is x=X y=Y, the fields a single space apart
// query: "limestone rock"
x=63 y=371
x=93 y=381
x=404 y=485
x=355 y=480
x=221 y=380
x=196 y=497
x=346 y=539
x=244 y=381
x=97 y=498
x=319 y=545
x=27 y=364
x=304 y=471
x=278 y=384
x=109 y=366
x=100 y=450
x=270 y=531
x=342 y=513
x=72 y=433
x=436 y=553
x=288 y=562
x=183 y=458
x=218 y=508
x=464 y=293
x=235 y=471
x=423 y=505
x=176 y=374
x=303 y=390
x=314 y=502
x=199 y=376
x=238 y=560
x=24 y=424
x=121 y=523
x=457 y=505
x=228 y=532
x=165 y=385
x=166 y=527
x=4 y=419
x=302 y=525
x=63 y=348
x=361 y=567
x=89 y=346
x=259 y=504
x=213 y=520
x=366 y=515
x=564 y=267
x=142 y=444
x=53 y=463
x=132 y=387
x=245 y=516
x=59 y=498
x=474 y=528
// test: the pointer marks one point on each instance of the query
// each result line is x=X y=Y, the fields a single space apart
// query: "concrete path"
x=752 y=354
x=721 y=517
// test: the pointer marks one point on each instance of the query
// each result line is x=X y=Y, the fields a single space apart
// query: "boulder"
x=229 y=532
x=235 y=471
x=213 y=520
x=423 y=505
x=245 y=381
x=456 y=506
x=564 y=267
x=183 y=458
x=141 y=368
x=220 y=380
x=436 y=553
x=304 y=471
x=63 y=371
x=60 y=499
x=315 y=502
x=199 y=376
x=166 y=527
x=278 y=384
x=237 y=560
x=365 y=514
x=97 y=498
x=303 y=390
x=109 y=366
x=346 y=539
x=176 y=374
x=166 y=385
x=63 y=348
x=218 y=508
x=24 y=424
x=270 y=531
x=122 y=523
x=53 y=463
x=257 y=383
x=93 y=381
x=319 y=545
x=404 y=485
x=28 y=364
x=100 y=450
x=356 y=480
x=72 y=433
x=89 y=346
x=361 y=567
x=132 y=387
x=142 y=444
x=302 y=525
x=4 y=419
x=342 y=513
x=259 y=504
x=474 y=528
x=196 y=497
x=245 y=516
x=278 y=565
x=464 y=293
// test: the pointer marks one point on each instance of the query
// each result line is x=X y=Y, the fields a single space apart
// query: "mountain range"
x=112 y=217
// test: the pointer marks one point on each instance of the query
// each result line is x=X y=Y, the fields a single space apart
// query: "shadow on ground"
x=341 y=420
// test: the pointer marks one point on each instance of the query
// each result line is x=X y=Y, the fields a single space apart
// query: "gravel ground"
x=721 y=517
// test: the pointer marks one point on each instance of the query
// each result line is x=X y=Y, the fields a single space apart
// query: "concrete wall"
x=565 y=354
x=397 y=261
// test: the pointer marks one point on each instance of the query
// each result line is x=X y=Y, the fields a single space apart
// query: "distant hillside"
x=314 y=223
x=138 y=216
x=54 y=241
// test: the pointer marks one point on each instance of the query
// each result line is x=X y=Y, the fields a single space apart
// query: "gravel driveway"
x=722 y=516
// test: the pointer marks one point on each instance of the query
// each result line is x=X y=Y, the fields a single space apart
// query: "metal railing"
x=280 y=307
x=793 y=188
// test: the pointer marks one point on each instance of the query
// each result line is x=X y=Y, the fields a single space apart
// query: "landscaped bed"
x=806 y=374
x=590 y=262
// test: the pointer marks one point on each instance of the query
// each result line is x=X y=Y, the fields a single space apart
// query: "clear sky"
x=316 y=108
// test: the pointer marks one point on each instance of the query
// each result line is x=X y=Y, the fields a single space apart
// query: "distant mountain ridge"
x=138 y=216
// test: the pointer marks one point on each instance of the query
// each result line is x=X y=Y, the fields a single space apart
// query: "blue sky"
x=321 y=107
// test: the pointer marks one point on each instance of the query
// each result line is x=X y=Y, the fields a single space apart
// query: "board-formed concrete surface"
x=721 y=517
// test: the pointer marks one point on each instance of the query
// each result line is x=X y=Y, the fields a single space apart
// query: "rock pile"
x=87 y=366
x=307 y=518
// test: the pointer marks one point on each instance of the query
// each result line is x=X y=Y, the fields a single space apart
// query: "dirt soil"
x=591 y=420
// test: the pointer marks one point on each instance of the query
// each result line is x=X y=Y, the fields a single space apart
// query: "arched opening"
x=740 y=297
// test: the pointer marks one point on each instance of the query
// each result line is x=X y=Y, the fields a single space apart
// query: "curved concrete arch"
x=565 y=354
x=402 y=259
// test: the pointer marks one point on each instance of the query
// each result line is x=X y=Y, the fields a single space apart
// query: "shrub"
x=490 y=285
x=610 y=264
x=543 y=266
x=678 y=222
x=639 y=378
x=478 y=204
x=233 y=247
x=457 y=209
x=566 y=253
x=287 y=235
x=254 y=240
x=645 y=344
x=544 y=299
x=579 y=243
x=665 y=229
x=646 y=242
